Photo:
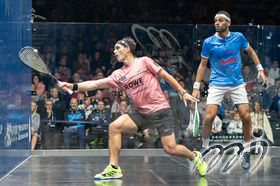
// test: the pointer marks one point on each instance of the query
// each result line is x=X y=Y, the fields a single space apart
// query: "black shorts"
x=162 y=120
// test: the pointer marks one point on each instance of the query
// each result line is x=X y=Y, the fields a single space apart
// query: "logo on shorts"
x=166 y=130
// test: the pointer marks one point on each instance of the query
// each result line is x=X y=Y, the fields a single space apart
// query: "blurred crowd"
x=81 y=52
x=157 y=11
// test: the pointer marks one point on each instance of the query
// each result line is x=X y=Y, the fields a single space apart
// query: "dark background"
x=264 y=12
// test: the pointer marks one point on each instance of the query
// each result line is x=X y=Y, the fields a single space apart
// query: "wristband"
x=259 y=67
x=75 y=86
x=196 y=85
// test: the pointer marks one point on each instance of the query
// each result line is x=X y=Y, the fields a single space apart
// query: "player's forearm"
x=87 y=86
x=171 y=81
x=200 y=72
x=90 y=85
x=254 y=56
x=174 y=84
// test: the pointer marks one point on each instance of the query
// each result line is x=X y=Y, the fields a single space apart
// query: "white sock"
x=246 y=146
x=205 y=143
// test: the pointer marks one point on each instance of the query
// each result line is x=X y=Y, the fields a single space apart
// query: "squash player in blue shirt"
x=223 y=51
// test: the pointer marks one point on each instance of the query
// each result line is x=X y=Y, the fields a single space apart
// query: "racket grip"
x=67 y=89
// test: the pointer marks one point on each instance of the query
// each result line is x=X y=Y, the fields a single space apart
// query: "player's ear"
x=229 y=23
x=127 y=49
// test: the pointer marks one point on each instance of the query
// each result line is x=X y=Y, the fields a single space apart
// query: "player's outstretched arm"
x=87 y=85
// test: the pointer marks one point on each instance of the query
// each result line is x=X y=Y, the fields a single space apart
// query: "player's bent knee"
x=209 y=118
x=170 y=149
x=245 y=116
x=114 y=128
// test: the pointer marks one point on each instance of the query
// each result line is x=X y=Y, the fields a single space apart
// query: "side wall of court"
x=15 y=80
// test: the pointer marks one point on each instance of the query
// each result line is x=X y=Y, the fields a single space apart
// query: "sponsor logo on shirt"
x=122 y=79
x=231 y=60
x=133 y=84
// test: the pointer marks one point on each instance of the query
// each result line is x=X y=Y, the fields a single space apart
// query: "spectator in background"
x=189 y=81
x=247 y=74
x=81 y=47
x=35 y=124
x=217 y=125
x=275 y=106
x=99 y=97
x=98 y=74
x=102 y=115
x=76 y=78
x=228 y=106
x=260 y=122
x=187 y=128
x=64 y=63
x=122 y=109
x=119 y=97
x=63 y=73
x=97 y=62
x=267 y=62
x=50 y=60
x=274 y=71
x=59 y=110
x=81 y=97
x=235 y=125
x=73 y=128
x=272 y=93
x=87 y=107
x=82 y=63
x=37 y=85
x=256 y=93
x=48 y=126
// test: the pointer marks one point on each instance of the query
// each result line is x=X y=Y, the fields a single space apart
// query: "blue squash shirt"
x=224 y=57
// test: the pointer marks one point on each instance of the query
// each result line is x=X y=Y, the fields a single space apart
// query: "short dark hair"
x=224 y=12
x=131 y=43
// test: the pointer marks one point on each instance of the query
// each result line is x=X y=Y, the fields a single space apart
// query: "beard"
x=221 y=29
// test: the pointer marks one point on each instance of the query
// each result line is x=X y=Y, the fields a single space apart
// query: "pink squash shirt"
x=139 y=81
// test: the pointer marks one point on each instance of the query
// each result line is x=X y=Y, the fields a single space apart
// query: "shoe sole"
x=116 y=176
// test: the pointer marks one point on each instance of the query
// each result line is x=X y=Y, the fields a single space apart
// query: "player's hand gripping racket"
x=30 y=57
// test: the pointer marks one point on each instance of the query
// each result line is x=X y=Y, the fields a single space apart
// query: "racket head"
x=30 y=57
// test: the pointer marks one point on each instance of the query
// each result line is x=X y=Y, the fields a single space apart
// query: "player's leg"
x=214 y=99
x=124 y=124
x=245 y=117
x=239 y=98
x=211 y=112
x=170 y=147
x=163 y=121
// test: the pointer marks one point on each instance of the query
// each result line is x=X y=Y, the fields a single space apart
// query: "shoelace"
x=105 y=170
x=198 y=162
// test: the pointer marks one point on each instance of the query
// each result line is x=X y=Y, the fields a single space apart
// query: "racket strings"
x=33 y=60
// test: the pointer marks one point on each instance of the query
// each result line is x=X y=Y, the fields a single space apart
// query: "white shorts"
x=237 y=93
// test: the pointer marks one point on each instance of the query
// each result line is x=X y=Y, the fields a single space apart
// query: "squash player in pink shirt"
x=138 y=78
